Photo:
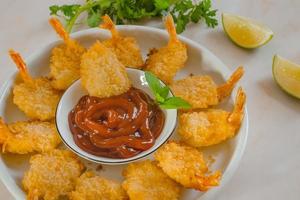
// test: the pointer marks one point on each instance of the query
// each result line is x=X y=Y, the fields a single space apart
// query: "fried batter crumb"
x=146 y=181
x=102 y=74
x=51 y=175
x=28 y=136
x=186 y=165
x=205 y=128
x=92 y=187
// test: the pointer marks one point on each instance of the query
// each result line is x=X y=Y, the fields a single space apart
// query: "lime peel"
x=287 y=75
x=246 y=32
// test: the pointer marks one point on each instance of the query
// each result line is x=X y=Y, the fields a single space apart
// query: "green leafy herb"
x=127 y=11
x=161 y=93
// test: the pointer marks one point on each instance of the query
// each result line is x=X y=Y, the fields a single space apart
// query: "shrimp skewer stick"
x=166 y=61
x=65 y=59
x=28 y=136
x=35 y=97
x=126 y=48
x=201 y=91
x=211 y=127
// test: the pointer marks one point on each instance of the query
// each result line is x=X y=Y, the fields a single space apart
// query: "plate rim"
x=238 y=152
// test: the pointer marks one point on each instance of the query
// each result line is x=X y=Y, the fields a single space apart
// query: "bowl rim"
x=126 y=160
x=15 y=189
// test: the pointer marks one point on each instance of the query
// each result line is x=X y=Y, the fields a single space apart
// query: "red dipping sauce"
x=116 y=127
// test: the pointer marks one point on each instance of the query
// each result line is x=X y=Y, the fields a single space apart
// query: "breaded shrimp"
x=65 y=59
x=102 y=74
x=211 y=127
x=166 y=61
x=28 y=136
x=186 y=166
x=51 y=175
x=126 y=49
x=35 y=97
x=92 y=187
x=146 y=181
x=201 y=91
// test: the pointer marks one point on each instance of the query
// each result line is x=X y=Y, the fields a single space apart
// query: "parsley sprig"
x=128 y=11
x=161 y=93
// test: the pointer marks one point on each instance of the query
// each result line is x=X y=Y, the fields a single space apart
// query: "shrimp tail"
x=58 y=27
x=170 y=26
x=109 y=25
x=226 y=89
x=16 y=57
x=206 y=182
x=237 y=114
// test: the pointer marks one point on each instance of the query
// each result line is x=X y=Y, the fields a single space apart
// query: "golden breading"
x=199 y=91
x=92 y=187
x=202 y=92
x=28 y=136
x=146 y=181
x=51 y=175
x=38 y=100
x=166 y=61
x=187 y=166
x=35 y=97
x=126 y=49
x=65 y=59
x=211 y=127
x=102 y=74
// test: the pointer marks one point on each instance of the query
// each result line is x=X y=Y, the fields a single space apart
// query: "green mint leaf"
x=164 y=92
x=153 y=82
x=175 y=103
x=159 y=98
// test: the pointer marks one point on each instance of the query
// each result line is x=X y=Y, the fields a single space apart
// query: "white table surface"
x=270 y=166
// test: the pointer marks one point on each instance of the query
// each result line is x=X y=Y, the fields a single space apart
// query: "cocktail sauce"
x=116 y=127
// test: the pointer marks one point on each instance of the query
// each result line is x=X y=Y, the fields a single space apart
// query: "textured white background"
x=271 y=163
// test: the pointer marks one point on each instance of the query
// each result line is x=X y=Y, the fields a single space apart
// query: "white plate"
x=200 y=61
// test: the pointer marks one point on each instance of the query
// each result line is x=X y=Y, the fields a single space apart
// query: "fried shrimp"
x=51 y=175
x=126 y=48
x=102 y=74
x=202 y=92
x=65 y=59
x=187 y=166
x=166 y=61
x=92 y=187
x=28 y=136
x=213 y=126
x=35 y=97
x=146 y=181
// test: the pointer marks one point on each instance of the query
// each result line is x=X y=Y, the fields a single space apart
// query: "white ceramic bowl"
x=200 y=61
x=71 y=97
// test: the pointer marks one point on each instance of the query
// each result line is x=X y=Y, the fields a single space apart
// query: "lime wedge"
x=245 y=32
x=287 y=75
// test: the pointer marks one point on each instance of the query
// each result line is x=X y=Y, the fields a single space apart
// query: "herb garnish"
x=161 y=94
x=127 y=11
